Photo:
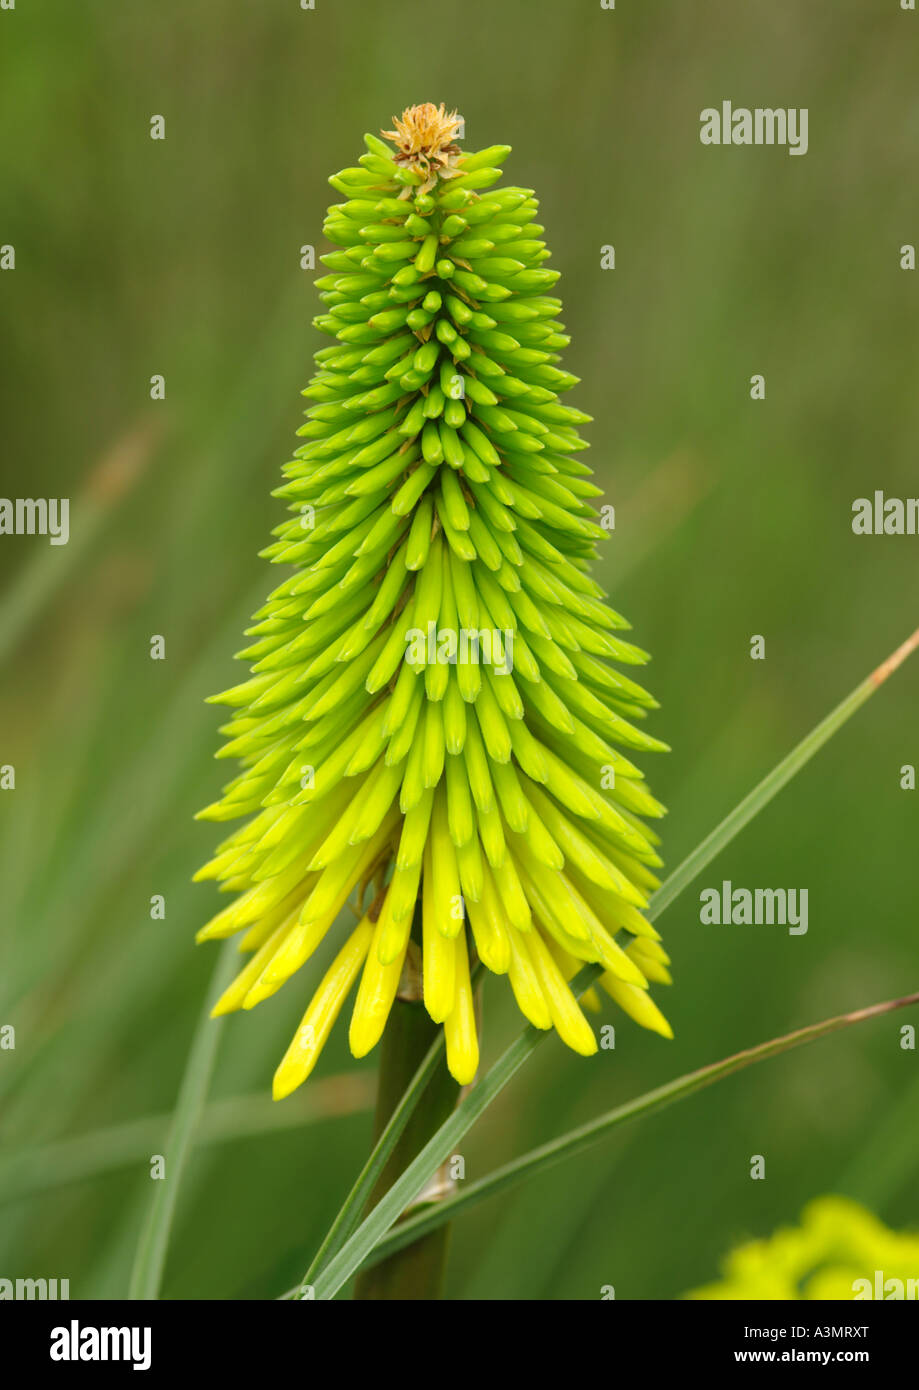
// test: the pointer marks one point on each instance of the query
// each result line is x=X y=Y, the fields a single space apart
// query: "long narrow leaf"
x=773 y=783
x=585 y=1136
x=88 y=1156
x=150 y=1259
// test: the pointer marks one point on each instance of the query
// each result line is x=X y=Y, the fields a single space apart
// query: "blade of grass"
x=111 y=480
x=773 y=783
x=357 y=1248
x=101 y=1151
x=585 y=1136
x=150 y=1259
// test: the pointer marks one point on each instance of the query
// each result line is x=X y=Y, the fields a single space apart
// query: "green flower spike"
x=432 y=720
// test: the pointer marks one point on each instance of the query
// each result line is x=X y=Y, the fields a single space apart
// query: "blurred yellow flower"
x=839 y=1251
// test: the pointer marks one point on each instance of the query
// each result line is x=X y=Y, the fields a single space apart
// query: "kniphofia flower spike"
x=437 y=726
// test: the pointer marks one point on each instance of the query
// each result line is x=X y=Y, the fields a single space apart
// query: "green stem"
x=415 y=1272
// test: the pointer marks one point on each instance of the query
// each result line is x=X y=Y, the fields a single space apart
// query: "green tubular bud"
x=492 y=725
x=377 y=146
x=452 y=382
x=485 y=367
x=432 y=744
x=498 y=267
x=459 y=541
x=402 y=738
x=479 y=178
x=453 y=500
x=388 y=320
x=466 y=280
x=454 y=414
x=412 y=489
x=472 y=871
x=460 y=814
x=456 y=198
x=454 y=713
x=426 y=357
x=388 y=352
x=446 y=333
x=398 y=251
x=391 y=654
x=418 y=319
x=438 y=689
x=429 y=588
x=478 y=769
x=453 y=226
x=453 y=451
x=469 y=247
x=400 y=702
x=386 y=168
x=480 y=444
x=378 y=476
x=419 y=536
x=383 y=232
x=491 y=834
x=513 y=803
x=414 y=420
x=477 y=392
x=434 y=403
x=464 y=593
x=415 y=832
x=485 y=545
x=413 y=787
x=460 y=313
x=424 y=261
x=469 y=681
x=431 y=446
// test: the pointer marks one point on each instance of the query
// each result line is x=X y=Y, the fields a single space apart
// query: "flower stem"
x=416 y=1272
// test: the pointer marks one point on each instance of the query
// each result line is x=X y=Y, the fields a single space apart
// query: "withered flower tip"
x=425 y=137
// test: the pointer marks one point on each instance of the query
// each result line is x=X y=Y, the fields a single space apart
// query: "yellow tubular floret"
x=438 y=952
x=375 y=995
x=234 y=995
x=317 y=1022
x=459 y=1027
x=570 y=1023
x=531 y=1001
x=637 y=1003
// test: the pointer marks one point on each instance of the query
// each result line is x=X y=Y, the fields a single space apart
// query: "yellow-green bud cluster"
x=474 y=808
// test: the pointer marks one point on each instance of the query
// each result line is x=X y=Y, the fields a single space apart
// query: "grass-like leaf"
x=150 y=1259
x=585 y=1136
x=88 y=1156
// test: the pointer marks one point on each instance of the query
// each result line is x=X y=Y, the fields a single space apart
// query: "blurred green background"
x=181 y=257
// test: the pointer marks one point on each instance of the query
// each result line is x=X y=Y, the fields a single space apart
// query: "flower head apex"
x=425 y=137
